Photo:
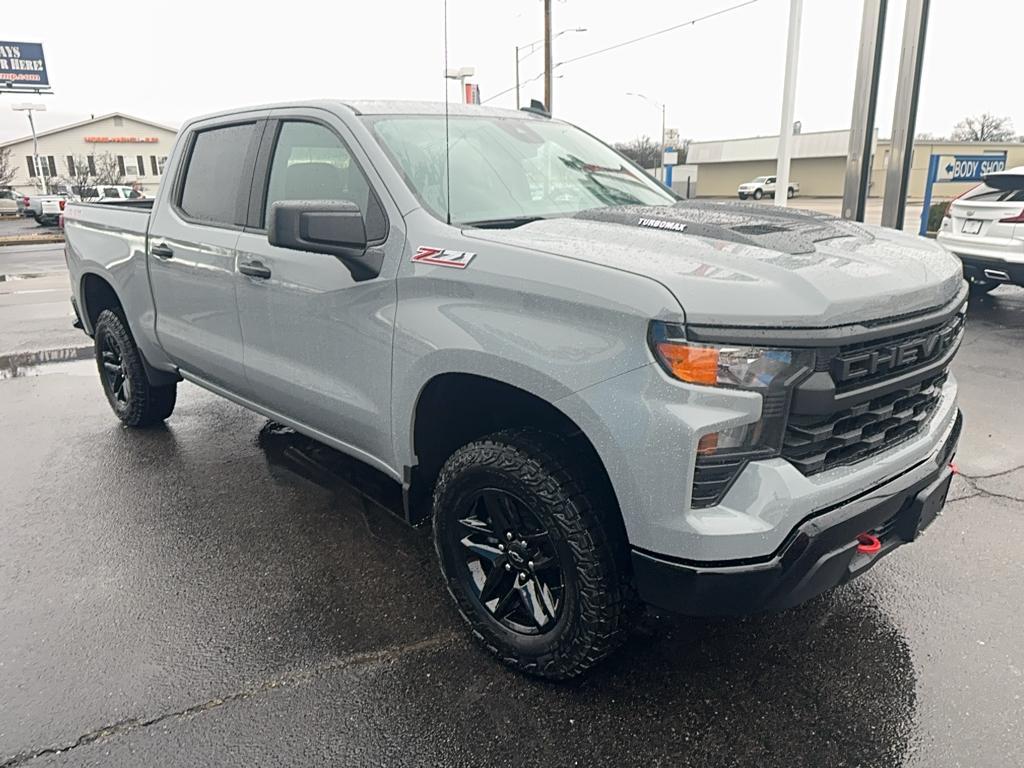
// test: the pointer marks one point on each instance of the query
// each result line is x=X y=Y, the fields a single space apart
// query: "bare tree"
x=984 y=127
x=642 y=150
x=6 y=169
x=108 y=171
x=91 y=171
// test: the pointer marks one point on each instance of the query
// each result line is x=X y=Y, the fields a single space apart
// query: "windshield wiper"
x=510 y=223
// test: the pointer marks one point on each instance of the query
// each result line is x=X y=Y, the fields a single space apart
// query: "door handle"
x=162 y=251
x=254 y=269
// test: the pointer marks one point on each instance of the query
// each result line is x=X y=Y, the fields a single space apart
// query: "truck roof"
x=382 y=107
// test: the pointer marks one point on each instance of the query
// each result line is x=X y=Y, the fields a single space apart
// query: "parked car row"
x=46 y=209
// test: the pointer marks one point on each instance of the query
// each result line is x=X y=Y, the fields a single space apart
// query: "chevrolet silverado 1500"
x=598 y=395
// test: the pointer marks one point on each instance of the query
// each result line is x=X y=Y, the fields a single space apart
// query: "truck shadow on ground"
x=831 y=683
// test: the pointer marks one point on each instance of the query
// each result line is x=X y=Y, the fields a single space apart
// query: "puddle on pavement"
x=74 y=360
x=25 y=276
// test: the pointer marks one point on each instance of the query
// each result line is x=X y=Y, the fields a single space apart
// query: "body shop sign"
x=22 y=66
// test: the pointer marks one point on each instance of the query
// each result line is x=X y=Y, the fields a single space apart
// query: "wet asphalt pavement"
x=222 y=591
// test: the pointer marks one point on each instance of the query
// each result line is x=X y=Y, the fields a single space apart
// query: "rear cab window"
x=216 y=177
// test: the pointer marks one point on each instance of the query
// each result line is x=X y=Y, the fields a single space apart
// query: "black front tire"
x=135 y=401
x=758 y=194
x=561 y=504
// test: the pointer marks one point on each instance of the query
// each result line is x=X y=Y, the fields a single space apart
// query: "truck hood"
x=737 y=264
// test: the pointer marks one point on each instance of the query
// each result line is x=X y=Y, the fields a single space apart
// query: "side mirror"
x=335 y=227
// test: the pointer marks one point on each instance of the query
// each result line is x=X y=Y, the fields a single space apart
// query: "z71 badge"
x=443 y=257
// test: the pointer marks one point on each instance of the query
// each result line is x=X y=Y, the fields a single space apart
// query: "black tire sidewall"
x=758 y=194
x=452 y=500
x=132 y=411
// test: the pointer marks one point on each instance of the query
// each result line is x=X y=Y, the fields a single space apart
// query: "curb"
x=30 y=239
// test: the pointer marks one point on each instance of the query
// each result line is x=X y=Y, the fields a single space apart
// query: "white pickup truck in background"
x=52 y=206
x=764 y=186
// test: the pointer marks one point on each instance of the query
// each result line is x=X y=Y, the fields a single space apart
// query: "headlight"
x=770 y=371
x=742 y=367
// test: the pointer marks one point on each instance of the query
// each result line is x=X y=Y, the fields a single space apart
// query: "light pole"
x=531 y=48
x=35 y=142
x=796 y=9
x=657 y=105
x=460 y=74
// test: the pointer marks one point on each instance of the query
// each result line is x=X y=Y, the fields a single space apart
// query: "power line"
x=624 y=43
x=655 y=34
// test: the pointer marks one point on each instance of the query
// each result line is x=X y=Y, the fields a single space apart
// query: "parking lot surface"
x=222 y=591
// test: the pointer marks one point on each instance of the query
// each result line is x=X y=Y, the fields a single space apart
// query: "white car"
x=985 y=228
x=764 y=185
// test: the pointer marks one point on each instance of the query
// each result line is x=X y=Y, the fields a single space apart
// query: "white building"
x=137 y=149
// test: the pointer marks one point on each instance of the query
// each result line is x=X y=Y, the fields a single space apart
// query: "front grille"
x=818 y=443
x=859 y=365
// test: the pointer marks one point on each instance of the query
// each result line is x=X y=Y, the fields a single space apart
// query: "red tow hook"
x=868 y=544
x=954 y=467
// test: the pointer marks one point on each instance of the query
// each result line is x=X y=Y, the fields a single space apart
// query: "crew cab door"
x=317 y=341
x=191 y=247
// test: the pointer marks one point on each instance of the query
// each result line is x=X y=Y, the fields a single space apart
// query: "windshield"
x=761 y=179
x=507 y=169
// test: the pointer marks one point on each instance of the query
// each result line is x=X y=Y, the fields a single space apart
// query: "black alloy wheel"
x=112 y=367
x=511 y=564
x=532 y=550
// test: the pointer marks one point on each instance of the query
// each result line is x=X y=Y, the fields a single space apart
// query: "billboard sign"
x=23 y=67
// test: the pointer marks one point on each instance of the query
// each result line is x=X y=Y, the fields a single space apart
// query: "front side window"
x=214 y=182
x=504 y=168
x=312 y=163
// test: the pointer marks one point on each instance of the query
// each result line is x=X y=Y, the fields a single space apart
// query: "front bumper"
x=818 y=554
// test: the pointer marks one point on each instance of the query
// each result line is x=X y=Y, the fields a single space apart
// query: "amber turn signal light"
x=697 y=365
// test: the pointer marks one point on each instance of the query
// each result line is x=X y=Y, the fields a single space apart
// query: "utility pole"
x=788 y=104
x=517 y=77
x=548 y=82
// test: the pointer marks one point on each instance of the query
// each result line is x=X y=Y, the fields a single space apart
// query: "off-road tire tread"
x=148 y=405
x=573 y=494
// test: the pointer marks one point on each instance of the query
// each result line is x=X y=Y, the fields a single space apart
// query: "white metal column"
x=796 y=8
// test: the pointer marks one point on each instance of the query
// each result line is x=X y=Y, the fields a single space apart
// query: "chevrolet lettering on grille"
x=891 y=357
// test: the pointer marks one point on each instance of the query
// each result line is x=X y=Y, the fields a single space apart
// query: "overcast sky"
x=720 y=78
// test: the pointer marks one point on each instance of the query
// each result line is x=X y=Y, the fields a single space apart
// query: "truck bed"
x=130 y=217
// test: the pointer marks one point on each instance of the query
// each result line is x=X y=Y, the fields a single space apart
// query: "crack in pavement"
x=131 y=724
x=972 y=482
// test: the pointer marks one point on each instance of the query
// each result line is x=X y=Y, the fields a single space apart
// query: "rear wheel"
x=527 y=555
x=758 y=194
x=790 y=193
x=133 y=399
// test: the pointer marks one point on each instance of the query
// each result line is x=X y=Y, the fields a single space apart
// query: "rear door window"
x=215 y=189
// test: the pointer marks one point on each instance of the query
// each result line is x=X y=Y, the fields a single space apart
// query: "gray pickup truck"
x=599 y=395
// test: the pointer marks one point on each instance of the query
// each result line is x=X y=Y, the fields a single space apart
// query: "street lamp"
x=533 y=49
x=35 y=143
x=460 y=74
x=657 y=105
